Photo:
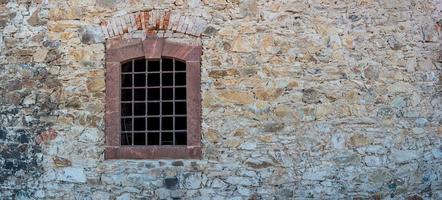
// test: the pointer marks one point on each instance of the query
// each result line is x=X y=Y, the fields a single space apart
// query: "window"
x=153 y=101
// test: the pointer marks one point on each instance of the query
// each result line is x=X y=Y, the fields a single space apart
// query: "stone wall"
x=301 y=99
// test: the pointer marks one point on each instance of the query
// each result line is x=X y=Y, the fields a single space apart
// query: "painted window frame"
x=121 y=50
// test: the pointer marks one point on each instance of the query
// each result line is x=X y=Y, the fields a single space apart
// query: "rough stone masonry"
x=302 y=99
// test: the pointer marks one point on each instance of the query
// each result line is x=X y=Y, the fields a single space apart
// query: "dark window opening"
x=153 y=107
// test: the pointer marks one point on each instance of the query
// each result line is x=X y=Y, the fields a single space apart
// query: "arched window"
x=153 y=101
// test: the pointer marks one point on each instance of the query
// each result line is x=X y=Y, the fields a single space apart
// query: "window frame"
x=120 y=50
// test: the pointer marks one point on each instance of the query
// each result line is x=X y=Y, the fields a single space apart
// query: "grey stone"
x=178 y=163
x=162 y=193
x=100 y=195
x=51 y=43
x=421 y=122
x=249 y=8
x=311 y=96
x=437 y=152
x=72 y=174
x=248 y=146
x=410 y=65
x=171 y=183
x=338 y=141
x=91 y=35
x=373 y=161
x=372 y=72
x=108 y=3
x=192 y=181
x=273 y=126
x=210 y=31
x=3 y=134
x=403 y=156
x=217 y=183
x=244 y=191
x=399 y=103
x=125 y=196
x=316 y=174
x=244 y=181
x=35 y=20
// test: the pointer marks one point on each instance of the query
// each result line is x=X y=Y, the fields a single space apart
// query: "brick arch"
x=153 y=23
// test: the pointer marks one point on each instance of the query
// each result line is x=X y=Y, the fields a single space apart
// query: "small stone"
x=3 y=134
x=217 y=183
x=223 y=73
x=437 y=152
x=22 y=195
x=235 y=180
x=249 y=8
x=192 y=181
x=210 y=31
x=91 y=35
x=4 y=16
x=425 y=65
x=177 y=194
x=399 y=103
x=372 y=72
x=96 y=84
x=421 y=122
x=51 y=43
x=259 y=164
x=403 y=156
x=171 y=183
x=338 y=141
x=358 y=140
x=162 y=193
x=90 y=135
x=410 y=65
x=100 y=195
x=178 y=163
x=248 y=146
x=269 y=94
x=385 y=112
x=373 y=161
x=393 y=43
x=52 y=55
x=35 y=19
x=73 y=13
x=212 y=136
x=40 y=55
x=61 y=162
x=414 y=197
x=179 y=2
x=238 y=97
x=107 y=3
x=46 y=136
x=311 y=96
x=72 y=174
x=273 y=126
x=125 y=196
x=316 y=174
x=268 y=45
x=243 y=44
x=266 y=138
x=244 y=191
x=40 y=194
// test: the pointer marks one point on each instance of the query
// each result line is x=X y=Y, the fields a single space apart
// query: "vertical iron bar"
x=161 y=99
x=146 y=103
x=133 y=99
x=173 y=102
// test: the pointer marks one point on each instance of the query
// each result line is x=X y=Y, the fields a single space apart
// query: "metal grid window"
x=153 y=102
x=153 y=99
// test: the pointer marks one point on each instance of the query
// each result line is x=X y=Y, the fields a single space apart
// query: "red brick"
x=48 y=135
x=138 y=21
